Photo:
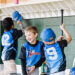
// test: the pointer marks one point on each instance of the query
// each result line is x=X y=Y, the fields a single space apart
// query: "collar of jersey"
x=33 y=44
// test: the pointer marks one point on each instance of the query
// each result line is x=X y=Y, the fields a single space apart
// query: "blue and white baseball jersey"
x=9 y=41
x=33 y=53
x=54 y=58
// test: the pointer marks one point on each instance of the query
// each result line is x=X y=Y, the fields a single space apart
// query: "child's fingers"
x=18 y=22
x=61 y=36
x=31 y=69
x=62 y=26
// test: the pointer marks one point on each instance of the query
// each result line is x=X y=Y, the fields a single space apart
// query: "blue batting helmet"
x=47 y=35
x=16 y=16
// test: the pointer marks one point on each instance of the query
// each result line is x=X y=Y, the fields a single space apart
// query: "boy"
x=31 y=54
x=9 y=43
x=54 y=51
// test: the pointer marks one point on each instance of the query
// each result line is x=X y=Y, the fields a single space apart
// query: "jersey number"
x=52 y=52
x=5 y=40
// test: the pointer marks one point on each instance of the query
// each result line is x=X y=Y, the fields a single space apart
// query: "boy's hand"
x=31 y=69
x=62 y=27
x=59 y=38
x=44 y=62
x=18 y=22
x=68 y=36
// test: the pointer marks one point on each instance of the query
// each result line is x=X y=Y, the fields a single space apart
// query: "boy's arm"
x=42 y=59
x=21 y=25
x=22 y=57
x=23 y=67
x=40 y=62
x=17 y=34
x=68 y=36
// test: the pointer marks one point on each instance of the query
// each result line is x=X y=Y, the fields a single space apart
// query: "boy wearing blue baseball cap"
x=54 y=51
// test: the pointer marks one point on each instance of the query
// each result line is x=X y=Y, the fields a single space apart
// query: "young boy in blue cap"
x=54 y=51
x=9 y=43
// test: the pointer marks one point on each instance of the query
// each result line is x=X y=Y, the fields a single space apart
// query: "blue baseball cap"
x=47 y=35
x=16 y=16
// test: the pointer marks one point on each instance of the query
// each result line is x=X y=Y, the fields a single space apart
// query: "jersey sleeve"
x=22 y=54
x=23 y=65
x=42 y=59
x=17 y=34
x=42 y=51
x=22 y=57
x=63 y=43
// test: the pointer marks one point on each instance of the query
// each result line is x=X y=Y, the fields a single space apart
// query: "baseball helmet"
x=16 y=16
x=48 y=35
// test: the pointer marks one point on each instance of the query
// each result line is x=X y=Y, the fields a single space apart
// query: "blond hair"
x=31 y=29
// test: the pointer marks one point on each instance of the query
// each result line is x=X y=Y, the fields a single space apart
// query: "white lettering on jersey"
x=5 y=39
x=52 y=52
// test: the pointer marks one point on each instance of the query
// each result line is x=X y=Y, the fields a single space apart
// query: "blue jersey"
x=54 y=57
x=33 y=53
x=9 y=41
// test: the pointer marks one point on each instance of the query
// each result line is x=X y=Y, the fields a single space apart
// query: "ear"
x=12 y=26
x=55 y=36
x=36 y=34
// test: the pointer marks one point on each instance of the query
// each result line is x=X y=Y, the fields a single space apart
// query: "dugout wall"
x=54 y=23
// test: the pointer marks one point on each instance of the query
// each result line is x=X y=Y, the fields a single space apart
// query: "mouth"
x=29 y=40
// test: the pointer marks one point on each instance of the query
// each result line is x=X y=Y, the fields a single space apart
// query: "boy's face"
x=30 y=36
